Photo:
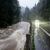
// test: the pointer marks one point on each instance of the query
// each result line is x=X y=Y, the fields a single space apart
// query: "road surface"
x=42 y=38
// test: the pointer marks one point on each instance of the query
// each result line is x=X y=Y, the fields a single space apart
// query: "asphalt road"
x=46 y=26
x=41 y=40
x=42 y=37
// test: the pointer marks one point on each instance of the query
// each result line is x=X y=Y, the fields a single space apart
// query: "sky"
x=28 y=3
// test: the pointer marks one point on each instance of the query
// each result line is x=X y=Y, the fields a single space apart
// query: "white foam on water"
x=17 y=40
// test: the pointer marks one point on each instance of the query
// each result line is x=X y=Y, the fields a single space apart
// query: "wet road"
x=41 y=40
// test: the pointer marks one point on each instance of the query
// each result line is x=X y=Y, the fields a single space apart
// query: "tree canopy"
x=42 y=9
x=9 y=12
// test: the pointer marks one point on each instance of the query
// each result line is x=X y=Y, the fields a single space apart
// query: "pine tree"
x=9 y=12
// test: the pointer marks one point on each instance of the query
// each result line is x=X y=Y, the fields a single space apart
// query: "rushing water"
x=16 y=41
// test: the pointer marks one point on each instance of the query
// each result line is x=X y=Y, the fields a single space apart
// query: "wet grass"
x=33 y=45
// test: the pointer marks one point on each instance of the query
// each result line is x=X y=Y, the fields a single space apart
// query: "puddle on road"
x=35 y=32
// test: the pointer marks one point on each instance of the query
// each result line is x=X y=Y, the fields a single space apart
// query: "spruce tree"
x=9 y=12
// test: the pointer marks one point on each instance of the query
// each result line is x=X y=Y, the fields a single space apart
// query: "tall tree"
x=9 y=12
x=26 y=14
x=44 y=8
